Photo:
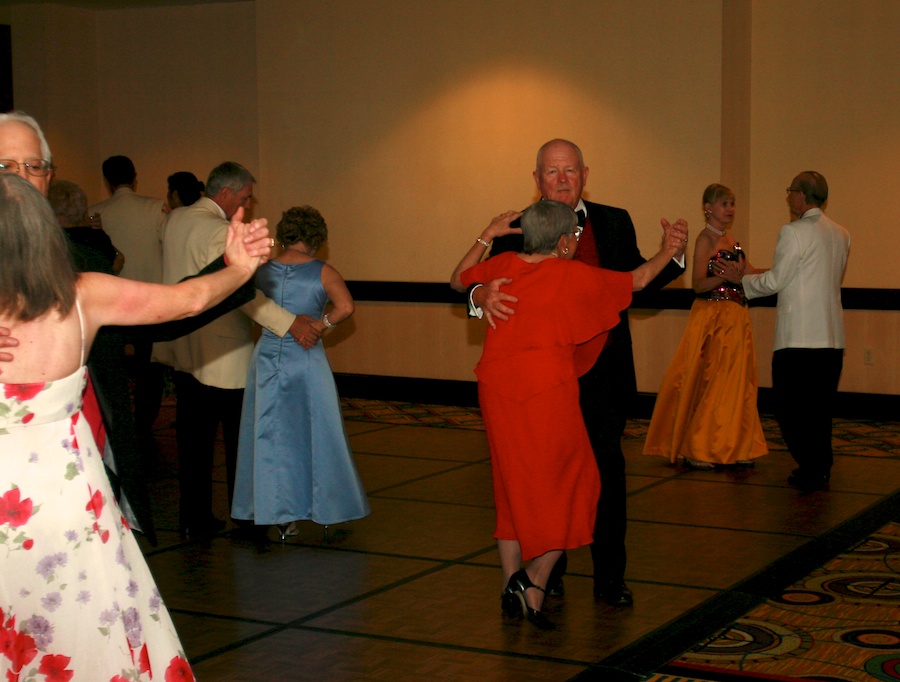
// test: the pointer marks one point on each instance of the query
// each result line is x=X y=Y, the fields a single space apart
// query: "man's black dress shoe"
x=556 y=588
x=617 y=595
x=808 y=483
x=555 y=580
x=205 y=530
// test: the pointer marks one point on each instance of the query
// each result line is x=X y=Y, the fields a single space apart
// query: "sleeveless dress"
x=294 y=460
x=706 y=406
x=77 y=601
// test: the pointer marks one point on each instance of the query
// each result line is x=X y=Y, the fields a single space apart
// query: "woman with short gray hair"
x=546 y=482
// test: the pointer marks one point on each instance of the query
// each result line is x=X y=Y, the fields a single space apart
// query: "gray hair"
x=814 y=187
x=25 y=119
x=229 y=175
x=36 y=274
x=68 y=202
x=544 y=222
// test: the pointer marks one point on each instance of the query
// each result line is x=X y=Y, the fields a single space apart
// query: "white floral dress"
x=77 y=601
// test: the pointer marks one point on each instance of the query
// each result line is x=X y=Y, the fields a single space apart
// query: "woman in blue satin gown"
x=294 y=461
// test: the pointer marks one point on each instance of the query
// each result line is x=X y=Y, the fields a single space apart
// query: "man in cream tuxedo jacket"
x=810 y=259
x=211 y=363
x=134 y=224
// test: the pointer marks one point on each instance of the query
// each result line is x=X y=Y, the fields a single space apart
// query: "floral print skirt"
x=77 y=601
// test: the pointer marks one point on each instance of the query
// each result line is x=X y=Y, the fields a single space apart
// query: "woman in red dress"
x=546 y=482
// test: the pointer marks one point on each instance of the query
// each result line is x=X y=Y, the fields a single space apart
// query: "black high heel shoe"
x=518 y=583
x=510 y=606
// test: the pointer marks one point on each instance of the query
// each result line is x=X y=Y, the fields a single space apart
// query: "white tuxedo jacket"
x=810 y=259
x=134 y=224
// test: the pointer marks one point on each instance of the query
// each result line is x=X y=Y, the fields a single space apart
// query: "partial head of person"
x=118 y=171
x=230 y=185
x=36 y=274
x=302 y=225
x=548 y=227
x=24 y=150
x=69 y=203
x=718 y=204
x=560 y=173
x=808 y=190
x=184 y=189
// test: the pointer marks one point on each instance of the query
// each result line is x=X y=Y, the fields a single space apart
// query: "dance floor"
x=736 y=575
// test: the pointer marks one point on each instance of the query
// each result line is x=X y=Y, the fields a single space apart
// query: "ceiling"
x=112 y=4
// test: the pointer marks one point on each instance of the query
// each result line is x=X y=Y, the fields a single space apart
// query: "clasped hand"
x=730 y=270
x=675 y=235
x=489 y=297
x=247 y=245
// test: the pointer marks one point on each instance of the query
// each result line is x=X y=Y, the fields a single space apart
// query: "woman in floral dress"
x=77 y=601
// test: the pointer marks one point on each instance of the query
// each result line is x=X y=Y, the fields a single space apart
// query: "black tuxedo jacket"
x=618 y=250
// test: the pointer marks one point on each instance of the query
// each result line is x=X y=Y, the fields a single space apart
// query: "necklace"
x=709 y=227
x=305 y=253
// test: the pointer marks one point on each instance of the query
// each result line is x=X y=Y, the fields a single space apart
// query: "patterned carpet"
x=841 y=623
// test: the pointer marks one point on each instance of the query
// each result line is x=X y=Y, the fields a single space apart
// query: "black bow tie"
x=581 y=216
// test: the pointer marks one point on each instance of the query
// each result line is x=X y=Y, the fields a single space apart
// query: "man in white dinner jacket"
x=809 y=263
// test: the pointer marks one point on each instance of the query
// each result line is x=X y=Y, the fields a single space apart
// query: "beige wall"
x=411 y=128
x=410 y=124
x=825 y=96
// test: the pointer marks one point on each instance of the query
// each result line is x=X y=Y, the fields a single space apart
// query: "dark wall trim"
x=465 y=394
x=667 y=299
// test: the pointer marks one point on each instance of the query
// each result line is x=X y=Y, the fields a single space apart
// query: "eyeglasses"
x=36 y=167
x=793 y=189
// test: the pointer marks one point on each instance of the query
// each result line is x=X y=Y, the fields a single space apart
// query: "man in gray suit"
x=211 y=363
x=810 y=259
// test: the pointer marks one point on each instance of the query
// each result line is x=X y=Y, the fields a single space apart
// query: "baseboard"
x=409 y=389
x=880 y=407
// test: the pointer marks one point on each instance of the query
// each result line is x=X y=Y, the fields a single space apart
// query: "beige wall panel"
x=177 y=89
x=877 y=330
x=407 y=340
x=55 y=80
x=825 y=97
x=411 y=128
x=655 y=335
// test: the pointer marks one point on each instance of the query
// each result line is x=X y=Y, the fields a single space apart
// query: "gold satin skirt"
x=706 y=406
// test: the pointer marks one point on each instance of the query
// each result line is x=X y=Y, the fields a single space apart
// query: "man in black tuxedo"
x=607 y=240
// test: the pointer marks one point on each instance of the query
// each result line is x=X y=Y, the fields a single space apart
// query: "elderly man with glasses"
x=809 y=263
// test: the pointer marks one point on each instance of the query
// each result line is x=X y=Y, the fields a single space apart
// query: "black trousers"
x=607 y=392
x=805 y=383
x=199 y=410
x=149 y=380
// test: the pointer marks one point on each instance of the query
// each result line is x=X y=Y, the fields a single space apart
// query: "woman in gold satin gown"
x=706 y=410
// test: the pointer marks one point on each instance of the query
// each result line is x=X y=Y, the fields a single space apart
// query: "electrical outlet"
x=868 y=356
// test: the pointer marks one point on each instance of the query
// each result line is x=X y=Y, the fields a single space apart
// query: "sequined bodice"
x=726 y=291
